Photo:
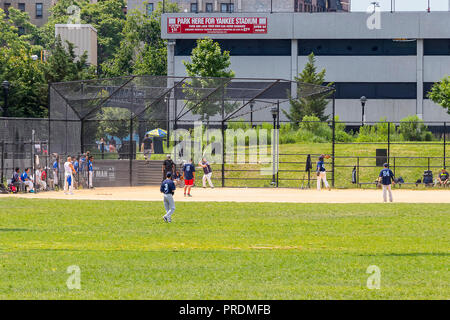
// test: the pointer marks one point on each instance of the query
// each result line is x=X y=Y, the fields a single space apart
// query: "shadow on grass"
x=14 y=230
x=412 y=254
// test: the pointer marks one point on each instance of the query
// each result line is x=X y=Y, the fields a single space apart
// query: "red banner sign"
x=216 y=25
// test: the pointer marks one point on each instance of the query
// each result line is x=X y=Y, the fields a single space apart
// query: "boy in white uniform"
x=68 y=176
x=39 y=181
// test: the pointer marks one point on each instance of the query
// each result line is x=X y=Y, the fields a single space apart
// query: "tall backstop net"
x=110 y=117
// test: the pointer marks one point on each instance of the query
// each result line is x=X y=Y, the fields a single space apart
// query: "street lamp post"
x=363 y=104
x=274 y=112
x=5 y=87
x=251 y=113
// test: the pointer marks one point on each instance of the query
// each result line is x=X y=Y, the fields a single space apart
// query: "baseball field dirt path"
x=249 y=195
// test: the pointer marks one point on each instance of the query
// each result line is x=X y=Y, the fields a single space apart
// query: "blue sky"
x=402 y=5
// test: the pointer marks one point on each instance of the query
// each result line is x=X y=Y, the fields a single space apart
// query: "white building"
x=393 y=74
x=83 y=36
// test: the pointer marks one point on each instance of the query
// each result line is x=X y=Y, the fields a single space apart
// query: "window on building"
x=21 y=6
x=39 y=10
x=194 y=7
x=149 y=9
x=209 y=7
x=227 y=7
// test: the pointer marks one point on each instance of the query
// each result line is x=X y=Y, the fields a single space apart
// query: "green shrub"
x=320 y=129
x=413 y=129
x=239 y=124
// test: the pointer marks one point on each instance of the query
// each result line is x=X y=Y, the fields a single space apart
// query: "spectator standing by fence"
x=55 y=171
x=147 y=147
x=168 y=166
x=91 y=172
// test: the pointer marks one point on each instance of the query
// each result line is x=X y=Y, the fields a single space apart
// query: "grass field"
x=293 y=156
x=223 y=250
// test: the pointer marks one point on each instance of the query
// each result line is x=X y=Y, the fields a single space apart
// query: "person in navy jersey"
x=207 y=172
x=386 y=177
x=168 y=189
x=322 y=173
x=189 y=177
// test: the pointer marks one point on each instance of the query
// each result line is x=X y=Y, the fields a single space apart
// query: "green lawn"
x=223 y=250
x=293 y=156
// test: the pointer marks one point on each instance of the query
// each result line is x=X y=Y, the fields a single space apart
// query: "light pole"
x=363 y=104
x=274 y=112
x=375 y=5
x=251 y=113
x=5 y=87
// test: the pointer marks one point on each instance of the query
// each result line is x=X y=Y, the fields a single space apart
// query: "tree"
x=27 y=94
x=440 y=93
x=113 y=122
x=63 y=65
x=308 y=106
x=211 y=66
x=107 y=17
x=141 y=51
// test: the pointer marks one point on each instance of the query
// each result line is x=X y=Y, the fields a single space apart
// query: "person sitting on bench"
x=27 y=180
x=443 y=177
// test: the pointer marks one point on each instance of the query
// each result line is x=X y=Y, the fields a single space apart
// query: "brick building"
x=229 y=6
x=39 y=10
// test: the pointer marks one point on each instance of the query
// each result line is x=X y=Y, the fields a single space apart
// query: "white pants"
x=207 y=177
x=169 y=205
x=42 y=183
x=322 y=176
x=68 y=187
x=90 y=178
x=386 y=189
x=29 y=184
x=55 y=177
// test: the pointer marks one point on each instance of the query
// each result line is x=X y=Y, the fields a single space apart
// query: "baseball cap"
x=386 y=165
x=169 y=174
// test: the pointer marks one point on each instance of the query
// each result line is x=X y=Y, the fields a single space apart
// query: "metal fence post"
x=223 y=153
x=278 y=139
x=333 y=139
x=394 y=166
x=82 y=136
x=389 y=142
x=3 y=160
x=131 y=151
x=428 y=163
x=33 y=160
x=357 y=172
x=445 y=143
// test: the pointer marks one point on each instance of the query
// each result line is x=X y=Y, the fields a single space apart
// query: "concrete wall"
x=411 y=69
x=330 y=25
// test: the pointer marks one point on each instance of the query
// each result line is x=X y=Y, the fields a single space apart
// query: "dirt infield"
x=250 y=195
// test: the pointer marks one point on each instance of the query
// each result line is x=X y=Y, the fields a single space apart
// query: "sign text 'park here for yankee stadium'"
x=216 y=25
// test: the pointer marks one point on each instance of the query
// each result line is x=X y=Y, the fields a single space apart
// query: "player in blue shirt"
x=168 y=189
x=91 y=172
x=27 y=180
x=322 y=173
x=55 y=172
x=189 y=176
x=386 y=177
